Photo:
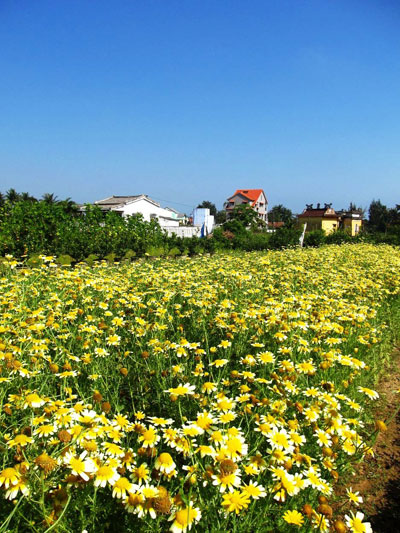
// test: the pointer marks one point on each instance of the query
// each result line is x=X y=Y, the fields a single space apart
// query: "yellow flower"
x=356 y=525
x=149 y=438
x=373 y=395
x=224 y=344
x=208 y=387
x=226 y=480
x=33 y=400
x=9 y=477
x=121 y=486
x=254 y=490
x=236 y=501
x=218 y=363
x=182 y=390
x=113 y=449
x=141 y=473
x=20 y=440
x=164 y=463
x=20 y=486
x=45 y=430
x=80 y=466
x=105 y=474
x=354 y=497
x=184 y=519
x=266 y=357
x=294 y=517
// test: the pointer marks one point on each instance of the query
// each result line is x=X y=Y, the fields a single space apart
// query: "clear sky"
x=187 y=100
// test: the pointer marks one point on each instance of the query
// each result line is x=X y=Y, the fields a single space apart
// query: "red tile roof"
x=317 y=213
x=276 y=224
x=251 y=194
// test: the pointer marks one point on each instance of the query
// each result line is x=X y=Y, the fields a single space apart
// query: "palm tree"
x=26 y=197
x=69 y=206
x=12 y=196
x=49 y=198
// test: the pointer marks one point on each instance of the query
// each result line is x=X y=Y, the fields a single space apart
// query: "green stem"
x=60 y=517
x=7 y=521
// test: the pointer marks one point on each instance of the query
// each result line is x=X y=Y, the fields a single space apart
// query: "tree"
x=69 y=206
x=394 y=215
x=220 y=217
x=353 y=208
x=12 y=196
x=378 y=216
x=49 y=198
x=279 y=213
x=205 y=204
x=26 y=197
x=245 y=214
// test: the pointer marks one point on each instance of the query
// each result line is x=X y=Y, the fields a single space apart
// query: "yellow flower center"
x=185 y=516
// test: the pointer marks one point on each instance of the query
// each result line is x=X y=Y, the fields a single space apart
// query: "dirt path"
x=378 y=478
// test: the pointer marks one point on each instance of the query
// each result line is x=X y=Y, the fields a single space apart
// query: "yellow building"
x=324 y=218
x=329 y=220
x=351 y=221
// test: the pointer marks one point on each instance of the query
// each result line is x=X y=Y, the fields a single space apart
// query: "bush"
x=314 y=238
x=29 y=229
x=284 y=238
x=338 y=237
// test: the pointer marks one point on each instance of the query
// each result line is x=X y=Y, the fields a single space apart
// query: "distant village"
x=201 y=222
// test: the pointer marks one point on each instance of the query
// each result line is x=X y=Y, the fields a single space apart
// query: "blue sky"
x=187 y=100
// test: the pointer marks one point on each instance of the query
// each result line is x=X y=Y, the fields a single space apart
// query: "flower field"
x=219 y=393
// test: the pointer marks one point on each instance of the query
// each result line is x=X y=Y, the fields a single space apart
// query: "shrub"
x=284 y=238
x=314 y=238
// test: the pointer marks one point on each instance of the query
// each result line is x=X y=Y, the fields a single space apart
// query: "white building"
x=203 y=219
x=140 y=204
x=183 y=219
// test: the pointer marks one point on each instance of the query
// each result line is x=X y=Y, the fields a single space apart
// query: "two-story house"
x=256 y=198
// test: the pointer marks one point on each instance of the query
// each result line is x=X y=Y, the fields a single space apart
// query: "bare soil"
x=378 y=478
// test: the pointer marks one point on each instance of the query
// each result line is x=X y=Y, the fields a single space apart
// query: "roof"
x=180 y=215
x=350 y=214
x=172 y=209
x=250 y=194
x=275 y=225
x=326 y=212
x=119 y=201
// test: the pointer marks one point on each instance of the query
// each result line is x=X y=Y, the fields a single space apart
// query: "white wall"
x=201 y=216
x=168 y=223
x=184 y=231
x=146 y=209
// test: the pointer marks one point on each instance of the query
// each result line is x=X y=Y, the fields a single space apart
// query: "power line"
x=171 y=202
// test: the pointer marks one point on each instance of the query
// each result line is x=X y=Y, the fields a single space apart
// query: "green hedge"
x=28 y=229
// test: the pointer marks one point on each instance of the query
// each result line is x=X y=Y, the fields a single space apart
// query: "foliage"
x=339 y=237
x=284 y=237
x=220 y=217
x=247 y=216
x=279 y=213
x=315 y=238
x=55 y=227
x=384 y=223
x=377 y=216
